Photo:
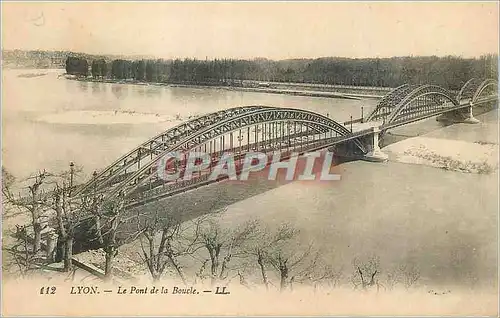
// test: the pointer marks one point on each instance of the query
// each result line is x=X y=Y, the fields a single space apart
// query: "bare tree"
x=9 y=206
x=174 y=242
x=32 y=203
x=107 y=216
x=35 y=208
x=410 y=275
x=112 y=213
x=222 y=245
x=284 y=263
x=39 y=205
x=296 y=265
x=68 y=215
x=393 y=278
x=292 y=263
x=263 y=243
x=317 y=273
x=405 y=274
x=67 y=221
x=8 y=181
x=20 y=254
x=281 y=251
x=157 y=257
x=365 y=272
x=200 y=274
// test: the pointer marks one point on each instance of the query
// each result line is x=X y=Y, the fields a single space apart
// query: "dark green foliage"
x=449 y=72
x=95 y=69
x=122 y=69
x=77 y=66
x=140 y=67
x=99 y=68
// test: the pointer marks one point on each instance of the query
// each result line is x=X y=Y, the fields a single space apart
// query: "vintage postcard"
x=250 y=158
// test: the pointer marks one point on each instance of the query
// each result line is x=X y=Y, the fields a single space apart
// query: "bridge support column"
x=374 y=151
x=470 y=119
x=459 y=116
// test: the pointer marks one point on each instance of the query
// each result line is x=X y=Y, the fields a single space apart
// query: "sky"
x=275 y=30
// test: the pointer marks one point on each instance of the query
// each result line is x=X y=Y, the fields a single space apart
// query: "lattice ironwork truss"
x=138 y=166
x=387 y=104
x=422 y=102
x=477 y=88
x=403 y=105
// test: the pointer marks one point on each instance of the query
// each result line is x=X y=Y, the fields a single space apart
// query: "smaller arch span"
x=475 y=88
x=421 y=102
x=386 y=105
x=487 y=88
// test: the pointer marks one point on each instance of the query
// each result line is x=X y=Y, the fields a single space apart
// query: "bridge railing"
x=161 y=188
x=354 y=121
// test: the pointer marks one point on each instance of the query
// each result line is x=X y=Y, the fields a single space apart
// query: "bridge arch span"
x=386 y=105
x=122 y=181
x=409 y=103
x=475 y=88
x=487 y=88
x=421 y=102
x=169 y=136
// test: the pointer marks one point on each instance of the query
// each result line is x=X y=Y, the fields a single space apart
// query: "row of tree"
x=195 y=251
x=449 y=72
x=77 y=66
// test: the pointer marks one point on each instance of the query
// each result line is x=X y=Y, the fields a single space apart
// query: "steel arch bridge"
x=476 y=88
x=265 y=129
x=409 y=103
x=238 y=130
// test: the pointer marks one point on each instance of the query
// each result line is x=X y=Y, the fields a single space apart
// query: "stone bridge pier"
x=350 y=151
x=371 y=143
x=464 y=115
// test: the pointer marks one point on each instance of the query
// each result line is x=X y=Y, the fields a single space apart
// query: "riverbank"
x=93 y=117
x=455 y=155
x=462 y=148
x=293 y=89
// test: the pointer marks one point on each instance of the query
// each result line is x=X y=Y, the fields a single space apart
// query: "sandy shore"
x=455 y=155
x=106 y=118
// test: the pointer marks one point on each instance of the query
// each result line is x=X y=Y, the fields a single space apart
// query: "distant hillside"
x=51 y=59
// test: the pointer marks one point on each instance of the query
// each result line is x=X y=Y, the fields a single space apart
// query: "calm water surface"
x=29 y=143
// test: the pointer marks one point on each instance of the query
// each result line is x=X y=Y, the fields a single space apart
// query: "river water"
x=445 y=222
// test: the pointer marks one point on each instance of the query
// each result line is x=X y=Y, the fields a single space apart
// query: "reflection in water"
x=120 y=91
x=147 y=91
x=139 y=89
x=97 y=88
x=203 y=95
x=84 y=86
x=71 y=86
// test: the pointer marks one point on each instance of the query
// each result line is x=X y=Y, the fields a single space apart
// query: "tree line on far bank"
x=450 y=72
